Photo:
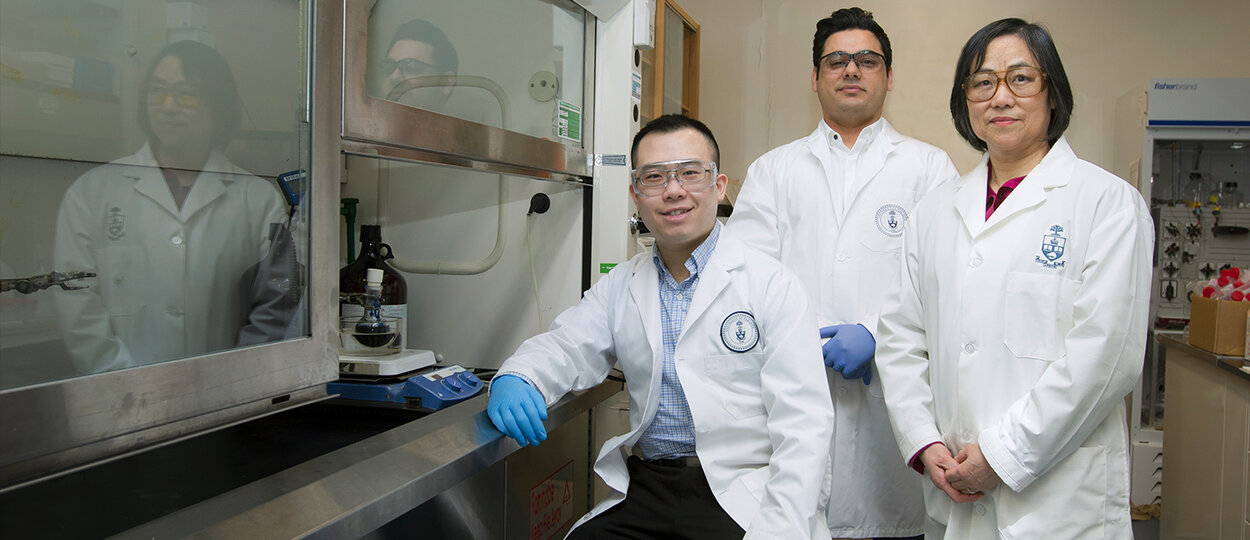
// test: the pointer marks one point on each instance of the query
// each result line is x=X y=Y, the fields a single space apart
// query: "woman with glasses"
x=1021 y=322
x=169 y=230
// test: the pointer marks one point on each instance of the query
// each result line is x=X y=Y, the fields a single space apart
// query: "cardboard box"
x=1218 y=326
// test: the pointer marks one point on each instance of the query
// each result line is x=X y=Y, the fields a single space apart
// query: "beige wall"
x=756 y=65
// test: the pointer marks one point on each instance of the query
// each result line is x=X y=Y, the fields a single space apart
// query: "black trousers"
x=665 y=500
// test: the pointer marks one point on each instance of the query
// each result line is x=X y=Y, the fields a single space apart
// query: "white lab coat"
x=792 y=207
x=168 y=279
x=1024 y=333
x=762 y=417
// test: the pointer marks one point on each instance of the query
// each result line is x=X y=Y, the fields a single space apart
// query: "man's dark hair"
x=1043 y=48
x=445 y=58
x=849 y=19
x=668 y=124
x=207 y=69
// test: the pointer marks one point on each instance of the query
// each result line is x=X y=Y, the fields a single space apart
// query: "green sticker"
x=606 y=267
x=569 y=121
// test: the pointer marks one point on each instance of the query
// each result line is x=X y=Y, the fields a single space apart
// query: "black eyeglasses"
x=867 y=61
x=1024 y=81
x=408 y=67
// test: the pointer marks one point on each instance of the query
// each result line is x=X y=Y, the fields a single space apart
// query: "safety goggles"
x=695 y=176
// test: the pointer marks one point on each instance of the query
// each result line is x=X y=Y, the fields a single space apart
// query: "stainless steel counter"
x=353 y=491
x=319 y=471
x=1231 y=364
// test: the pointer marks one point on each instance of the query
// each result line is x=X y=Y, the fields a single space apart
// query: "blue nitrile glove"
x=517 y=409
x=849 y=350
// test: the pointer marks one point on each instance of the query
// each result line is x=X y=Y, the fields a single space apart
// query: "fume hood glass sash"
x=81 y=414
x=496 y=86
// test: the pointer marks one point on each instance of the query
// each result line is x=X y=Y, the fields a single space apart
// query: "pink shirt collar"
x=994 y=200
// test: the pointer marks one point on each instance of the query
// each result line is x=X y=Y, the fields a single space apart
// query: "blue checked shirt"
x=671 y=433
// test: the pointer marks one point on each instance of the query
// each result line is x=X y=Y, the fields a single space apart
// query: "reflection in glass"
x=185 y=244
x=433 y=56
x=418 y=53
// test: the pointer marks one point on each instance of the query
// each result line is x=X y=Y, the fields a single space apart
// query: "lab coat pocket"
x=1068 y=501
x=741 y=498
x=121 y=275
x=754 y=483
x=738 y=376
x=1038 y=315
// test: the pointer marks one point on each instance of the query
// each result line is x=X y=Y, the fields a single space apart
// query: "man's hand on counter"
x=517 y=410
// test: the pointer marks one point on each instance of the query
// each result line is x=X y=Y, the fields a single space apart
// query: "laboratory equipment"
x=293 y=185
x=393 y=294
x=434 y=388
x=369 y=338
x=374 y=369
x=1194 y=173
x=43 y=281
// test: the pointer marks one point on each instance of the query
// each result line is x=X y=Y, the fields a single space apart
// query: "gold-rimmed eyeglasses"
x=1024 y=81
x=184 y=96
x=693 y=175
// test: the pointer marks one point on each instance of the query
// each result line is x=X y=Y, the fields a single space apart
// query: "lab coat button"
x=975 y=262
x=842 y=390
x=970 y=348
x=177 y=240
x=841 y=257
x=980 y=509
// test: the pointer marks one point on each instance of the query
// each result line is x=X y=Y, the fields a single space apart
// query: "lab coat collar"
x=727 y=257
x=209 y=185
x=644 y=283
x=872 y=148
x=697 y=260
x=863 y=143
x=1053 y=171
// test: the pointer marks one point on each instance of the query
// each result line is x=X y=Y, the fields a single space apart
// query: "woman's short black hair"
x=207 y=69
x=1042 y=46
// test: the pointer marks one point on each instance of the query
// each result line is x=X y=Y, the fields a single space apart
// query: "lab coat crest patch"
x=115 y=224
x=1052 y=248
x=738 y=332
x=890 y=220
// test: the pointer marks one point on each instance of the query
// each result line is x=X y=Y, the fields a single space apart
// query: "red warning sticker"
x=551 y=503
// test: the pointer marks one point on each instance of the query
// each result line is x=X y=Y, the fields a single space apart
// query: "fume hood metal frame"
x=56 y=428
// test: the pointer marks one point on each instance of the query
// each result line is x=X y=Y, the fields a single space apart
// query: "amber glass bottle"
x=373 y=254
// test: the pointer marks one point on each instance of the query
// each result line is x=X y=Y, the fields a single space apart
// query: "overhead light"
x=1238 y=145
